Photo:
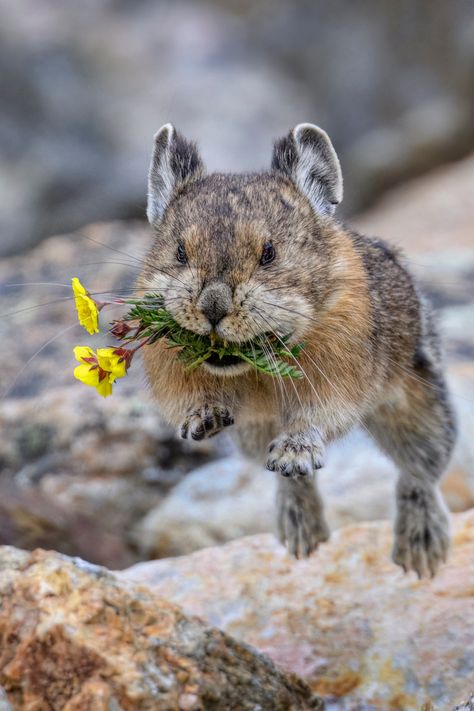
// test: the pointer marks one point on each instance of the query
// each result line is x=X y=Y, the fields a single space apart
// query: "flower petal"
x=89 y=375
x=87 y=311
x=78 y=288
x=113 y=363
x=104 y=387
x=81 y=353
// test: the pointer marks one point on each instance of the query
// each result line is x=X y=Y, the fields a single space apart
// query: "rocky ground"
x=106 y=480
x=344 y=630
x=360 y=632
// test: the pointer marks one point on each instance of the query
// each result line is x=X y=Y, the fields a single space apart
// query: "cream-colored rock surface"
x=215 y=503
x=432 y=213
x=363 y=634
x=74 y=638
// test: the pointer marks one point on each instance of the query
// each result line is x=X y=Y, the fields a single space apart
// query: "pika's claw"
x=295 y=455
x=205 y=421
x=421 y=534
x=300 y=522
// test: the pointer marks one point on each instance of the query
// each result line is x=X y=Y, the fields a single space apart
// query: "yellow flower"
x=87 y=310
x=112 y=360
x=100 y=370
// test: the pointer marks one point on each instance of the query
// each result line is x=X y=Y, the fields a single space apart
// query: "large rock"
x=430 y=214
x=362 y=633
x=73 y=638
x=79 y=472
x=431 y=220
x=215 y=503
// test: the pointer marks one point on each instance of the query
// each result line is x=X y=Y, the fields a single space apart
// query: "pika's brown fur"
x=248 y=255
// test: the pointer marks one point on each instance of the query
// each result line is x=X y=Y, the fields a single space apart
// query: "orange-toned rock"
x=74 y=638
x=347 y=620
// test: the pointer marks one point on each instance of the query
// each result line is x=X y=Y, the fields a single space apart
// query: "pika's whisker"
x=30 y=360
x=139 y=260
x=34 y=283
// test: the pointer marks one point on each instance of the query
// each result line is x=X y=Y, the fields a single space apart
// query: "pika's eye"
x=181 y=254
x=268 y=254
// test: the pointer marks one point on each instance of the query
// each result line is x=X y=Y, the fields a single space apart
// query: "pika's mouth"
x=227 y=365
x=223 y=362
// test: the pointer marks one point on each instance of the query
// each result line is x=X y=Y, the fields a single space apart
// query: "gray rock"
x=218 y=502
x=468 y=706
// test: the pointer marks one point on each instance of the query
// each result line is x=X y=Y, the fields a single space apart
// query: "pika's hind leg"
x=300 y=517
x=416 y=428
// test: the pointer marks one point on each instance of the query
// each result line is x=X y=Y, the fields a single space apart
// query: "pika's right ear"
x=306 y=155
x=175 y=161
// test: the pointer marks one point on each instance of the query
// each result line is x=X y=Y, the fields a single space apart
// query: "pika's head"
x=244 y=255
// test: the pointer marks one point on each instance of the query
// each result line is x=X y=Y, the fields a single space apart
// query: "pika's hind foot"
x=300 y=519
x=421 y=532
x=205 y=421
x=295 y=455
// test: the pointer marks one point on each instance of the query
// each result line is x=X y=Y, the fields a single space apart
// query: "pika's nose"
x=215 y=302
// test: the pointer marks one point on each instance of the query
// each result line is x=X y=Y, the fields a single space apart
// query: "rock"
x=74 y=638
x=363 y=634
x=215 y=503
x=431 y=220
x=432 y=214
x=234 y=497
x=29 y=518
x=75 y=471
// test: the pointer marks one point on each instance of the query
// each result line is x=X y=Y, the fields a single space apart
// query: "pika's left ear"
x=306 y=155
x=174 y=163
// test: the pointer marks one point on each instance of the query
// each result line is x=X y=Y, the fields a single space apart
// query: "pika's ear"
x=306 y=155
x=174 y=162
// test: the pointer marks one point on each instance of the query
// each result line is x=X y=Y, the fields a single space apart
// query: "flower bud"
x=120 y=329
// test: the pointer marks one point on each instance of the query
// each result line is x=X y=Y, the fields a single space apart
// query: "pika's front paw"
x=421 y=534
x=300 y=522
x=205 y=421
x=295 y=455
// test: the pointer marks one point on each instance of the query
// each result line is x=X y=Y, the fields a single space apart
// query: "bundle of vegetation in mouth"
x=147 y=322
x=267 y=353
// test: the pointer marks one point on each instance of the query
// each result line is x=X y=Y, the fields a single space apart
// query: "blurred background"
x=83 y=88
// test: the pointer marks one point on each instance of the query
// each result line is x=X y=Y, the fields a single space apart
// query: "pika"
x=244 y=256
